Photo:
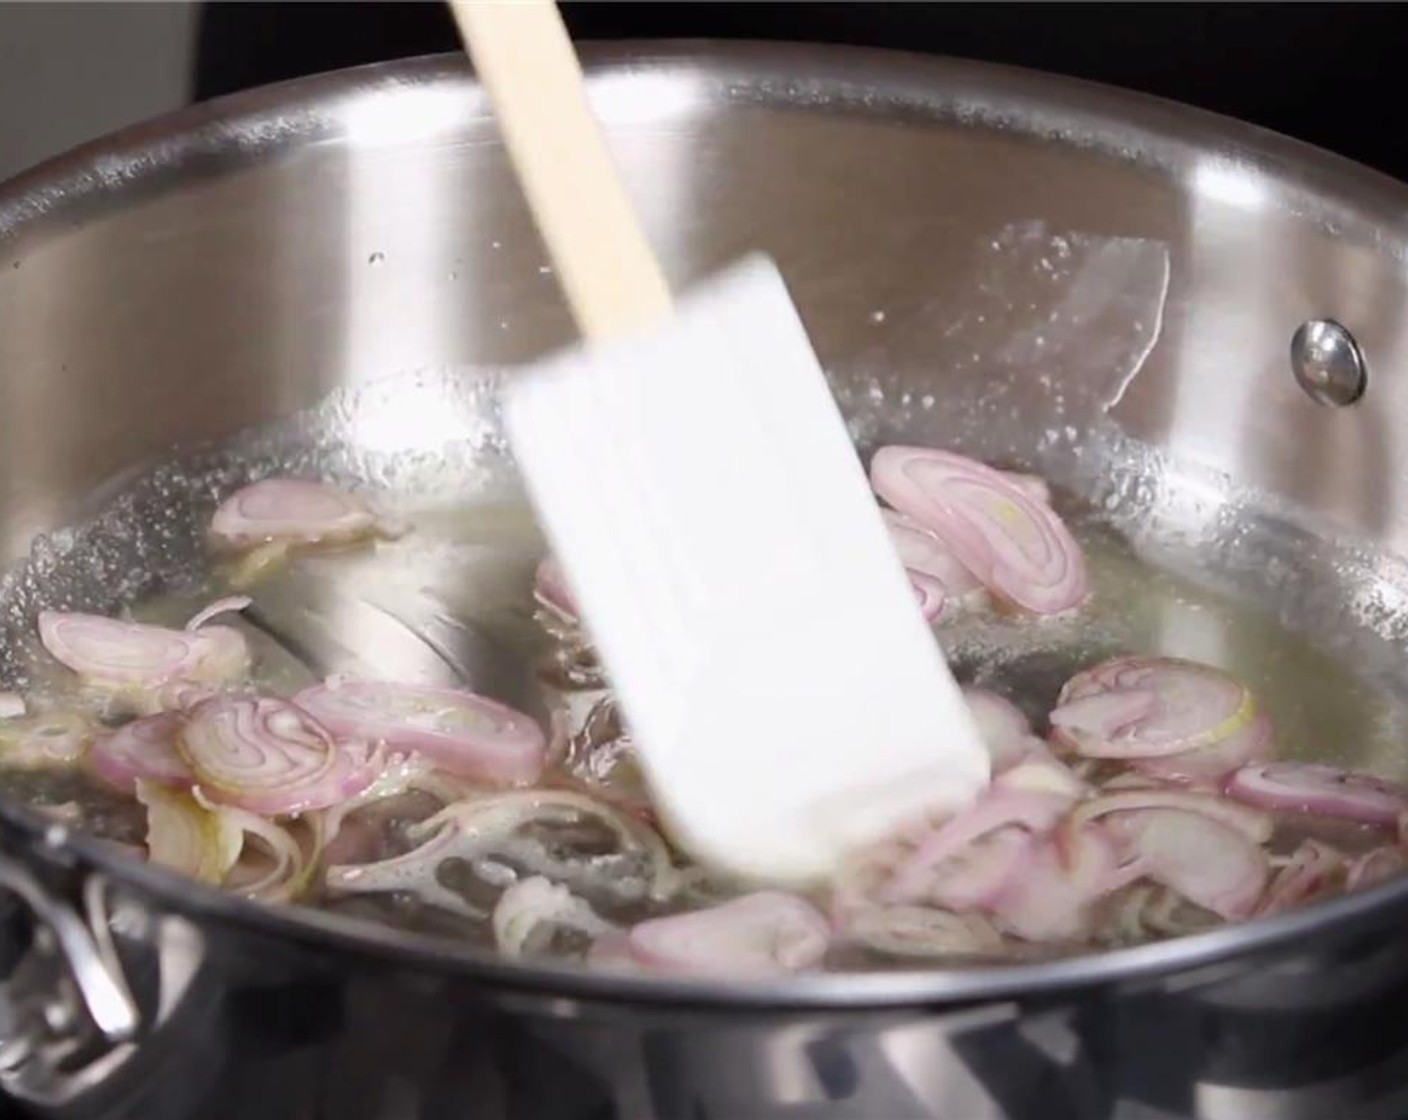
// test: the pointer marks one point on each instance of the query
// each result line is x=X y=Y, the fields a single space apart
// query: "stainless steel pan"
x=1187 y=322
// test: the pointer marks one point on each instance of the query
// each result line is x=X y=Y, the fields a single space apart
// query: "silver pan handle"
x=72 y=1031
x=87 y=953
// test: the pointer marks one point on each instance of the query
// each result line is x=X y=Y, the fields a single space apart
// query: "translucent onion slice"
x=296 y=511
x=1040 y=771
x=942 y=585
x=469 y=829
x=530 y=910
x=595 y=753
x=174 y=696
x=1003 y=727
x=1307 y=787
x=443 y=787
x=574 y=658
x=1126 y=924
x=924 y=932
x=1052 y=898
x=257 y=563
x=1015 y=546
x=1034 y=812
x=270 y=757
x=45 y=740
x=11 y=705
x=1314 y=869
x=462 y=733
x=401 y=772
x=1206 y=861
x=921 y=550
x=186 y=837
x=1170 y=914
x=1378 y=865
x=1256 y=826
x=144 y=749
x=1032 y=485
x=930 y=594
x=290 y=869
x=111 y=653
x=860 y=877
x=976 y=875
x=1147 y=911
x=228 y=605
x=1208 y=767
x=1134 y=780
x=1149 y=707
x=222 y=656
x=414 y=873
x=493 y=817
x=760 y=934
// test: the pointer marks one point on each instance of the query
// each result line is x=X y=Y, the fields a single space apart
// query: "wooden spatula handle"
x=524 y=58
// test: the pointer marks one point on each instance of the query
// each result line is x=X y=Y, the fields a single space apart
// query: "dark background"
x=1332 y=74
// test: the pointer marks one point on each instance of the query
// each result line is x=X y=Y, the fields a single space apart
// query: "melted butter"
x=1321 y=709
x=475 y=564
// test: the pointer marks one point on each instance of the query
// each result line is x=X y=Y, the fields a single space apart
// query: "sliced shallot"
x=1378 y=865
x=1032 y=485
x=296 y=511
x=1308 y=787
x=1169 y=914
x=414 y=872
x=110 y=653
x=976 y=875
x=1003 y=727
x=401 y=773
x=1016 y=546
x=1040 y=771
x=44 y=740
x=1208 y=862
x=1314 y=869
x=144 y=749
x=1207 y=767
x=1052 y=897
x=760 y=934
x=1145 y=910
x=186 y=837
x=230 y=604
x=270 y=757
x=529 y=911
x=1256 y=826
x=595 y=750
x=924 y=932
x=921 y=550
x=1149 y=707
x=1034 y=812
x=472 y=829
x=288 y=870
x=174 y=696
x=461 y=732
x=930 y=594
x=493 y=819
x=942 y=584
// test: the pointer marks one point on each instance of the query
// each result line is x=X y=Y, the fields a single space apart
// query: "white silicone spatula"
x=699 y=486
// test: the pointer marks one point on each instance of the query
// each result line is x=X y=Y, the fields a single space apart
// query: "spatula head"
x=700 y=488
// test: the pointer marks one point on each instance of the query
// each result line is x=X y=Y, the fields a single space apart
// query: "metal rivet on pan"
x=1328 y=362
